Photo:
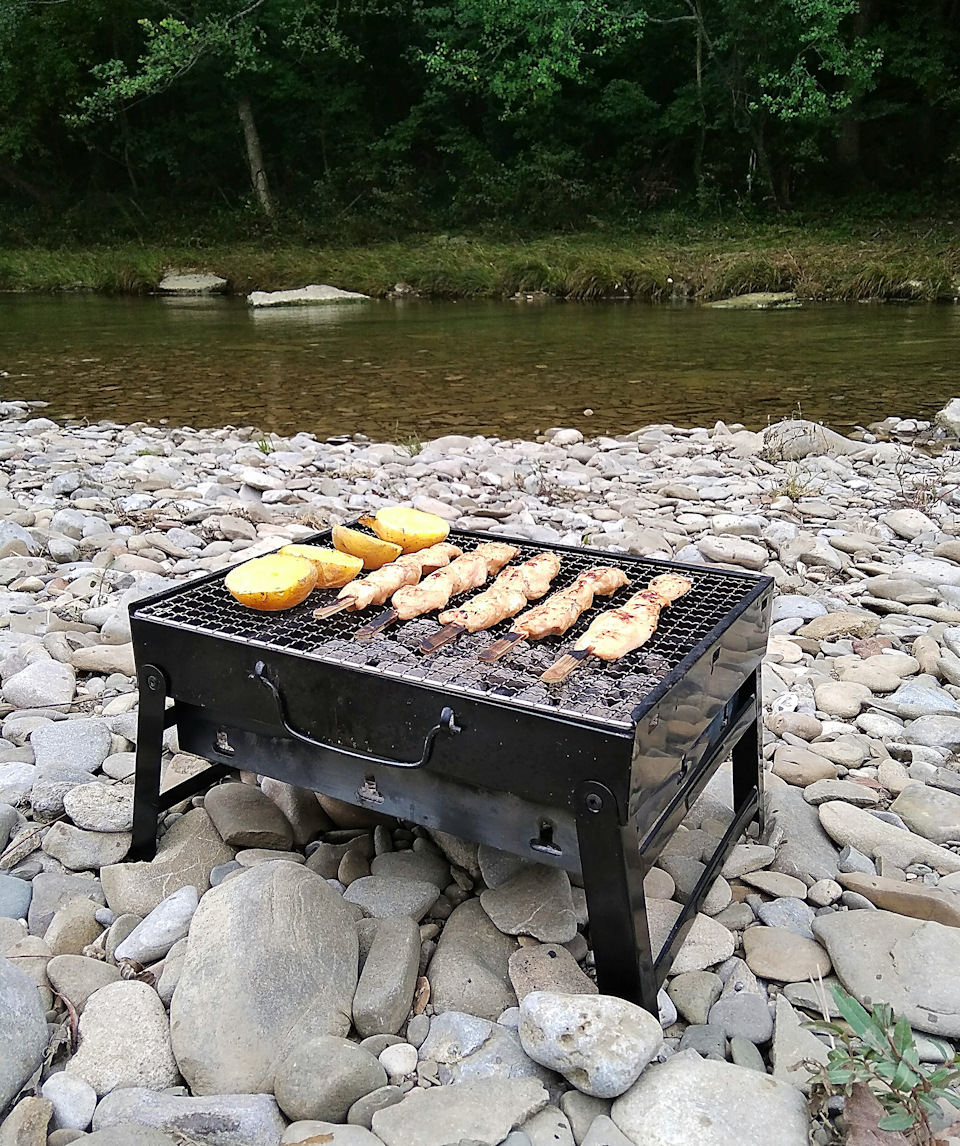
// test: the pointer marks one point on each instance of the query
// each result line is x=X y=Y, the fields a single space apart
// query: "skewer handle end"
x=338 y=606
x=447 y=634
x=562 y=668
x=377 y=625
x=500 y=648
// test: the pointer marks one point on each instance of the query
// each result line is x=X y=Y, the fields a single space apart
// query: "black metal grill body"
x=592 y=775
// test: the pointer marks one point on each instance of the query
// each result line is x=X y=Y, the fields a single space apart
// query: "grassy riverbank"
x=818 y=259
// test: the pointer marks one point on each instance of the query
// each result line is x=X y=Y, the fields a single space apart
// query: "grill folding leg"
x=148 y=802
x=616 y=854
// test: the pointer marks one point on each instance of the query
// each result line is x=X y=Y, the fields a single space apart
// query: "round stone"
x=399 y=1060
x=73 y=1100
x=321 y=1079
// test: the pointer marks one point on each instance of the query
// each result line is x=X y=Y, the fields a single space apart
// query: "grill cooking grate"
x=603 y=691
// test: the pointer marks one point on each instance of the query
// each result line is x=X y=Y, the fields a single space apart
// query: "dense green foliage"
x=374 y=118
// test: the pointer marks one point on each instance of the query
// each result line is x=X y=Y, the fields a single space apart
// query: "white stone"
x=399 y=1060
x=190 y=282
x=41 y=684
x=73 y=1100
x=597 y=1042
x=316 y=293
x=949 y=417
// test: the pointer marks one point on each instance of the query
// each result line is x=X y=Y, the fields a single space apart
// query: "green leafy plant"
x=877 y=1049
x=264 y=445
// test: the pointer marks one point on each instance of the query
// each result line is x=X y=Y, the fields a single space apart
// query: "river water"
x=406 y=370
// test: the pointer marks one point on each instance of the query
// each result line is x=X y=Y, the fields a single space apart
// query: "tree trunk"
x=258 y=174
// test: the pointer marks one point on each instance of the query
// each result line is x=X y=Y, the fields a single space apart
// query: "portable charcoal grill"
x=592 y=775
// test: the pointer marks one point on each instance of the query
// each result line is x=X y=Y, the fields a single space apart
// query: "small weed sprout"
x=877 y=1049
x=797 y=482
x=264 y=445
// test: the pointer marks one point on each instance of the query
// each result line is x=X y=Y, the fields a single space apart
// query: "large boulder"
x=471 y=969
x=272 y=960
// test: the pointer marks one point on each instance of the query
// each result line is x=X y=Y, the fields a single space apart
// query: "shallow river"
x=403 y=370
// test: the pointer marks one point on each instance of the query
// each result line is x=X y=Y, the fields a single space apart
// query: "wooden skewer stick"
x=338 y=606
x=377 y=625
x=447 y=634
x=500 y=648
x=562 y=668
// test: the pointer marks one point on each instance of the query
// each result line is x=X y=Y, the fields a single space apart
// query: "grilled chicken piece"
x=468 y=571
x=382 y=583
x=559 y=612
x=507 y=595
x=619 y=631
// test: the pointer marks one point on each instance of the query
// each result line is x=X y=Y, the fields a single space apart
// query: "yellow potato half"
x=334 y=569
x=371 y=550
x=411 y=529
x=277 y=581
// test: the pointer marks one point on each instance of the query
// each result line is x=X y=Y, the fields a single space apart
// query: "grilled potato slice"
x=371 y=550
x=334 y=569
x=276 y=581
x=411 y=529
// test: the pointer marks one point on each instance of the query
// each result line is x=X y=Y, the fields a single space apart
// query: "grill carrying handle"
x=447 y=724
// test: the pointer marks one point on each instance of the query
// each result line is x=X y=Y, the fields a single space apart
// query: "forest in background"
x=366 y=120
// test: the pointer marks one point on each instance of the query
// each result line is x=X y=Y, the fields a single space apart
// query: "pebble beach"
x=291 y=969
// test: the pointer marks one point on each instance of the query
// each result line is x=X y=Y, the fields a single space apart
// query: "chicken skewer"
x=382 y=583
x=554 y=616
x=505 y=598
x=617 y=632
x=469 y=571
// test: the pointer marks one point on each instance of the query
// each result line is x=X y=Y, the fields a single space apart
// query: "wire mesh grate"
x=603 y=691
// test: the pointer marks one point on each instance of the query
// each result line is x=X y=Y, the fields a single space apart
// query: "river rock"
x=842 y=698
x=949 y=417
x=168 y=922
x=77 y=977
x=879 y=956
x=537 y=901
x=100 y=807
x=23 y=1030
x=921 y=696
x=935 y=731
x=72 y=1098
x=930 y=812
x=734 y=551
x=548 y=967
x=80 y=851
x=466 y=1047
x=282 y=927
x=867 y=833
x=73 y=926
x=804 y=850
x=840 y=624
x=300 y=807
x=913 y=897
x=15 y=897
x=382 y=898
x=470 y=970
x=82 y=744
x=780 y=954
x=385 y=990
x=426 y=867
x=792 y=1046
x=217 y=1120
x=598 y=1043
x=481 y=1111
x=856 y=794
x=246 y=818
x=690 y=1101
x=310 y=1131
x=124 y=1040
x=191 y=282
x=51 y=891
x=186 y=856
x=796 y=605
x=26 y=1124
x=322 y=1077
x=707 y=943
x=105 y=659
x=43 y=684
